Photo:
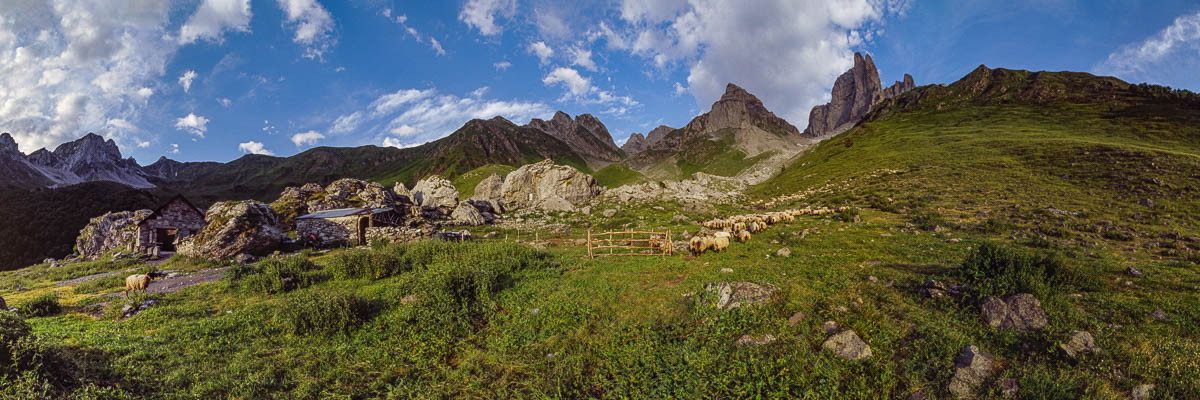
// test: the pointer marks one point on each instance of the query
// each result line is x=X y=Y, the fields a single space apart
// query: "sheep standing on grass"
x=720 y=241
x=743 y=236
x=134 y=283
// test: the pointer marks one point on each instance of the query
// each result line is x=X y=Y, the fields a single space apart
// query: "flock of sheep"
x=741 y=227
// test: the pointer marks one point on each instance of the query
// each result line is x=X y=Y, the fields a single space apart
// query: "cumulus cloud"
x=224 y=102
x=307 y=138
x=422 y=115
x=482 y=14
x=214 y=17
x=393 y=142
x=193 y=124
x=1171 y=56
x=679 y=90
x=786 y=52
x=583 y=58
x=313 y=24
x=569 y=79
x=541 y=50
x=186 y=79
x=437 y=47
x=143 y=145
x=253 y=147
x=67 y=67
x=502 y=65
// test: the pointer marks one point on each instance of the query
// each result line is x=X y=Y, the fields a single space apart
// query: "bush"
x=278 y=275
x=996 y=225
x=849 y=215
x=368 y=264
x=929 y=221
x=42 y=306
x=995 y=270
x=318 y=312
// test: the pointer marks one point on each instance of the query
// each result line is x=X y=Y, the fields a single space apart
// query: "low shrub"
x=996 y=225
x=319 y=312
x=996 y=270
x=929 y=220
x=849 y=215
x=278 y=275
x=367 y=264
x=42 y=306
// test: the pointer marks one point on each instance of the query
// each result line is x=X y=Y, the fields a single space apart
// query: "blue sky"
x=217 y=79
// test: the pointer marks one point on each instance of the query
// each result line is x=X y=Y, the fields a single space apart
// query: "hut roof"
x=344 y=212
x=158 y=212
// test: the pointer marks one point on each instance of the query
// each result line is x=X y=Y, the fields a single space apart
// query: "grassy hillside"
x=467 y=182
x=616 y=175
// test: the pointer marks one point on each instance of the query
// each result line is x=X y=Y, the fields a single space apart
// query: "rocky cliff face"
x=854 y=93
x=635 y=144
x=899 y=87
x=585 y=135
x=657 y=135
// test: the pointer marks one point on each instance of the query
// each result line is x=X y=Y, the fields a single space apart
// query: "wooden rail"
x=636 y=242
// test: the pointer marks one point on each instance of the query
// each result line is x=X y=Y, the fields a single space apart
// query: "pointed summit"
x=854 y=93
x=8 y=145
x=585 y=135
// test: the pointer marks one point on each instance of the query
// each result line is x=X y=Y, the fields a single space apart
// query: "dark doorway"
x=363 y=223
x=166 y=239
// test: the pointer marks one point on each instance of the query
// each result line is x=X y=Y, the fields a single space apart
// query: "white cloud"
x=679 y=90
x=583 y=58
x=420 y=116
x=67 y=67
x=347 y=123
x=214 y=17
x=225 y=102
x=314 y=26
x=786 y=52
x=186 y=79
x=541 y=50
x=307 y=138
x=570 y=79
x=143 y=145
x=121 y=124
x=193 y=124
x=253 y=147
x=174 y=148
x=437 y=47
x=405 y=130
x=501 y=66
x=1171 y=56
x=393 y=142
x=482 y=14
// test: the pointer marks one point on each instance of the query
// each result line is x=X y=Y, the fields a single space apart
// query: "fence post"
x=589 y=241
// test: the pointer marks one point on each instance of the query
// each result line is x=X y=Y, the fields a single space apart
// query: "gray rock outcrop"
x=233 y=228
x=900 y=87
x=548 y=186
x=730 y=295
x=466 y=214
x=490 y=191
x=848 y=346
x=1021 y=312
x=972 y=368
x=435 y=193
x=109 y=233
x=1080 y=345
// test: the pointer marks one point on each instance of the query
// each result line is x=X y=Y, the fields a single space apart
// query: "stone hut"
x=166 y=226
x=344 y=225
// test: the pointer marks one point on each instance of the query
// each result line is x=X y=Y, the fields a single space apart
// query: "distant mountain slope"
x=1056 y=157
x=585 y=135
x=89 y=159
x=727 y=139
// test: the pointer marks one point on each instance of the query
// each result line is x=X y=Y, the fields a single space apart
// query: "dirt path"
x=179 y=282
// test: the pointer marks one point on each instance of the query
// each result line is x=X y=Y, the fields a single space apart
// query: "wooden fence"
x=632 y=243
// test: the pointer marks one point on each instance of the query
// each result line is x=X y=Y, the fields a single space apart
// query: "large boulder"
x=1080 y=345
x=435 y=193
x=466 y=214
x=491 y=191
x=110 y=232
x=548 y=186
x=972 y=368
x=235 y=227
x=293 y=202
x=1021 y=312
x=730 y=295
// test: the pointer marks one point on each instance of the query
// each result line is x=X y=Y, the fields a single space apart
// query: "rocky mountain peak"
x=635 y=144
x=8 y=145
x=584 y=134
x=853 y=95
x=738 y=109
x=657 y=135
x=91 y=147
x=736 y=94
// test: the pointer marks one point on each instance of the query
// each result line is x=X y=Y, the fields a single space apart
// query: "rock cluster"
x=235 y=227
x=110 y=232
x=435 y=194
x=1021 y=312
